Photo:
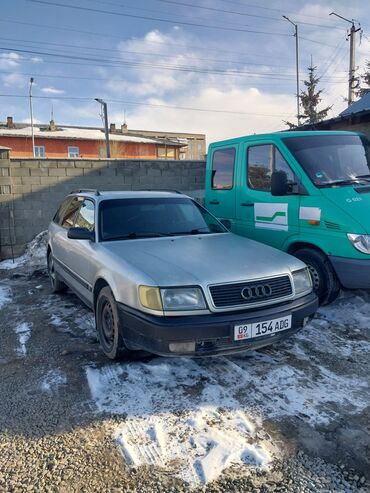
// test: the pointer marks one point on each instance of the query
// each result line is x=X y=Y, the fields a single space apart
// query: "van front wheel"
x=324 y=279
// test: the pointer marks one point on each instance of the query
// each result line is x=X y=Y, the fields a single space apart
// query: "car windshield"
x=332 y=160
x=122 y=219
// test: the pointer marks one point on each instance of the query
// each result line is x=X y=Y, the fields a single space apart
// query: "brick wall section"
x=31 y=190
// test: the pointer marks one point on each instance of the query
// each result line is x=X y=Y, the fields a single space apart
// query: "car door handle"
x=214 y=202
x=247 y=204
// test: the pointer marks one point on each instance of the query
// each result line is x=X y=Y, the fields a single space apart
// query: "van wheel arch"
x=325 y=280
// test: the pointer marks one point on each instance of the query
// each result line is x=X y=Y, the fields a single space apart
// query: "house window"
x=161 y=153
x=73 y=151
x=39 y=151
x=171 y=153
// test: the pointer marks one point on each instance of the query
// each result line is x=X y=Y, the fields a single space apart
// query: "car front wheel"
x=108 y=325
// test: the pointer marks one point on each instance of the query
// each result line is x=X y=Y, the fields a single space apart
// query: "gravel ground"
x=309 y=400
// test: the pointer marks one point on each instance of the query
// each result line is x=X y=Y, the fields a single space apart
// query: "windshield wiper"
x=364 y=176
x=134 y=236
x=197 y=231
x=338 y=182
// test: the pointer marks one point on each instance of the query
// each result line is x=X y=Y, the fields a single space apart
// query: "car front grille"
x=250 y=292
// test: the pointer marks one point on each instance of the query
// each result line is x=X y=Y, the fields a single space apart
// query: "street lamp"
x=31 y=112
x=296 y=60
x=106 y=129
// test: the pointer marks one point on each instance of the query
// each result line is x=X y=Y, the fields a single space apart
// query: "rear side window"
x=262 y=160
x=86 y=216
x=62 y=209
x=223 y=163
x=67 y=220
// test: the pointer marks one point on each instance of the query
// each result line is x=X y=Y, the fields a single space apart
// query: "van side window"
x=223 y=162
x=262 y=160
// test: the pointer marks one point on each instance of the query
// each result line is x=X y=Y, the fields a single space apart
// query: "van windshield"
x=332 y=160
x=129 y=219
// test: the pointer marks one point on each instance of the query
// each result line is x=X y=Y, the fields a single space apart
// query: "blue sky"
x=234 y=71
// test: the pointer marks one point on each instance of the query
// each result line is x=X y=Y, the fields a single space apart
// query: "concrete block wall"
x=31 y=190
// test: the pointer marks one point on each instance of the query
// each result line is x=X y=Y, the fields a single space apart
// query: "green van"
x=307 y=193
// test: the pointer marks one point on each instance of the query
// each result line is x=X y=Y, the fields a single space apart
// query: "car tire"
x=108 y=326
x=325 y=282
x=57 y=286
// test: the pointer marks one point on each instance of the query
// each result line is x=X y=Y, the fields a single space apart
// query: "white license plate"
x=258 y=329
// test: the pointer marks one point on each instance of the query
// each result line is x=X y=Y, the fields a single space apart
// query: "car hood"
x=202 y=259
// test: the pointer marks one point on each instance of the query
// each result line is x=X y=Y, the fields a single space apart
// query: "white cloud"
x=52 y=90
x=37 y=59
x=9 y=60
x=14 y=80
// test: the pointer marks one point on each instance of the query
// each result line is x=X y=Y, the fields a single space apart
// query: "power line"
x=225 y=11
x=139 y=103
x=114 y=36
x=151 y=54
x=157 y=19
x=119 y=62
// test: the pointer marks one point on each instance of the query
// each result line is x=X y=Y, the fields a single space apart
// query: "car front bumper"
x=352 y=273
x=214 y=333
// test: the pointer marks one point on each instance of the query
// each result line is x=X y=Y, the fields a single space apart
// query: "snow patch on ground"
x=196 y=446
x=23 y=330
x=52 y=380
x=179 y=417
x=351 y=309
x=66 y=316
x=5 y=296
x=35 y=255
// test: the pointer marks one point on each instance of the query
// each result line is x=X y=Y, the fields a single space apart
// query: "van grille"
x=225 y=295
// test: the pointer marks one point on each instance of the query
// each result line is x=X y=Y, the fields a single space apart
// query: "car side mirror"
x=80 y=234
x=226 y=223
x=279 y=183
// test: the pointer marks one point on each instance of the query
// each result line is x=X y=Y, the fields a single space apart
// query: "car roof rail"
x=159 y=190
x=86 y=190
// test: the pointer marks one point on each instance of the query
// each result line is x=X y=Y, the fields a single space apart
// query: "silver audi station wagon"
x=164 y=275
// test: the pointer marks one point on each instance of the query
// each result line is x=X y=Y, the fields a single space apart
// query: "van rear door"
x=260 y=215
x=220 y=181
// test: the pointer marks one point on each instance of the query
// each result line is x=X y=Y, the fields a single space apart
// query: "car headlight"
x=183 y=299
x=360 y=242
x=302 y=281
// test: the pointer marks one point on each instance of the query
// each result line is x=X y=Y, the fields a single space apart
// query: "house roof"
x=362 y=104
x=79 y=133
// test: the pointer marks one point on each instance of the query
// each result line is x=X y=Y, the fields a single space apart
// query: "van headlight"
x=360 y=242
x=183 y=299
x=302 y=281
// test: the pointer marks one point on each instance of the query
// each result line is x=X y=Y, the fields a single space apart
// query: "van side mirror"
x=80 y=234
x=279 y=183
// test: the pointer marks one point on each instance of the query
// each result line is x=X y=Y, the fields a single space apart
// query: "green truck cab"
x=307 y=193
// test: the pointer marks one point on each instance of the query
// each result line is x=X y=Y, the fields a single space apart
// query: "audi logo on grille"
x=257 y=291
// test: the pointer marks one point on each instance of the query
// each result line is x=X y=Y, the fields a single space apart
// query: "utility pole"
x=352 y=81
x=31 y=112
x=106 y=128
x=296 y=62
